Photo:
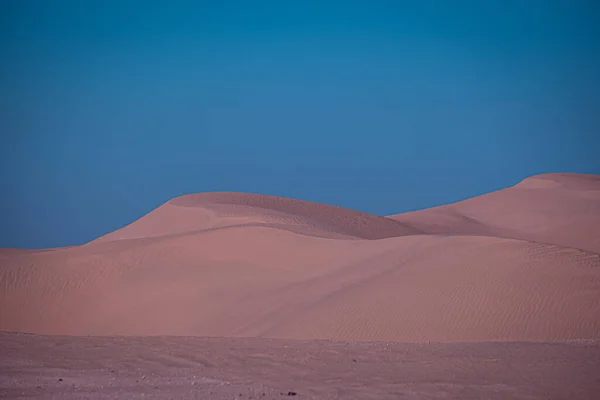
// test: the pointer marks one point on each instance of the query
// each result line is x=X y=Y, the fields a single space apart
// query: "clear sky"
x=108 y=110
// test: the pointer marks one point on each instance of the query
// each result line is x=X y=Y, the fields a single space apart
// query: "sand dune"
x=517 y=264
x=197 y=212
x=418 y=288
x=560 y=208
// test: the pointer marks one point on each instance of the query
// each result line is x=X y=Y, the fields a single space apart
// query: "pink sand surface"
x=519 y=264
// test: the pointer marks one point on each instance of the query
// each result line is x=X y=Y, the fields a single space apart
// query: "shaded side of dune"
x=197 y=212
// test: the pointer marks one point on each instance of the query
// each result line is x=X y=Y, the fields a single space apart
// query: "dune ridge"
x=557 y=208
x=195 y=212
x=519 y=264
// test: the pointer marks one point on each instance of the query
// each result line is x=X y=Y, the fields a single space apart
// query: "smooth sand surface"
x=210 y=211
x=520 y=264
x=562 y=209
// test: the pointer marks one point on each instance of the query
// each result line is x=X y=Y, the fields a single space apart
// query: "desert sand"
x=62 y=367
x=511 y=276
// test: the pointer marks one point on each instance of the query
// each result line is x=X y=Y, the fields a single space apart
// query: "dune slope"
x=559 y=208
x=263 y=282
x=195 y=212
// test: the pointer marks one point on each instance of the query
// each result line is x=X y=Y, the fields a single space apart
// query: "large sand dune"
x=518 y=264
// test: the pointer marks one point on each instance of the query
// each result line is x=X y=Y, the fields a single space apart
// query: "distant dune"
x=520 y=264
x=562 y=209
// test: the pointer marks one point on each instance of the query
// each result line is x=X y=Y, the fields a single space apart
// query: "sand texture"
x=510 y=276
x=223 y=368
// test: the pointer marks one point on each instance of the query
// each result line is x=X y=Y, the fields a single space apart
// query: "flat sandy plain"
x=232 y=295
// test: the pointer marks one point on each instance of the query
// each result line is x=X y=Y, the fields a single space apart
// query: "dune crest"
x=561 y=209
x=564 y=180
x=196 y=212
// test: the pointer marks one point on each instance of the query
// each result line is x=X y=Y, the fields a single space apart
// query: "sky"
x=110 y=108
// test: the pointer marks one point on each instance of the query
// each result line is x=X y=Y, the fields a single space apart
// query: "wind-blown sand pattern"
x=516 y=265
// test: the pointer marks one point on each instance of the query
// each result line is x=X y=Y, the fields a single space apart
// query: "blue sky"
x=107 y=111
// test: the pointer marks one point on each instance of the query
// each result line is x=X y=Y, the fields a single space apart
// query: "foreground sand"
x=520 y=264
x=219 y=368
